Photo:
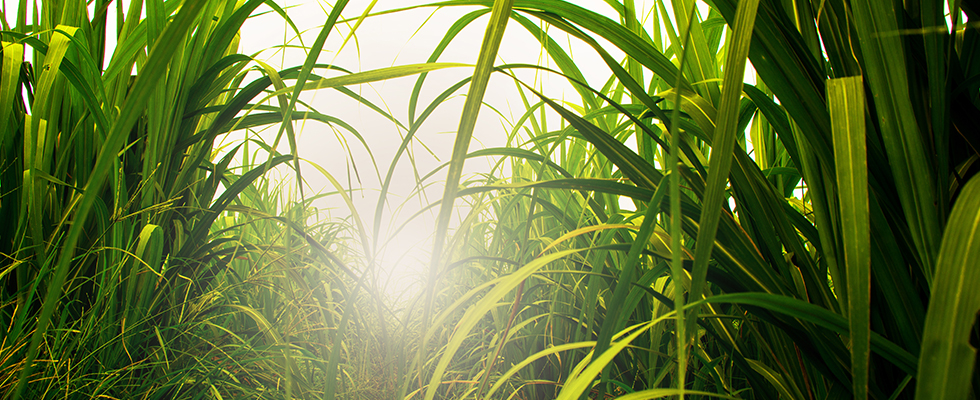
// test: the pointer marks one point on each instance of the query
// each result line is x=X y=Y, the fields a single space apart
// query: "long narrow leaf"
x=723 y=142
x=845 y=99
x=471 y=110
x=947 y=360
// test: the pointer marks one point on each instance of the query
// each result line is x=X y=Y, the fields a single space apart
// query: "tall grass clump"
x=807 y=236
x=146 y=252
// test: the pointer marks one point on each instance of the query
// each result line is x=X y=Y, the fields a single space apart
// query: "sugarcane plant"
x=806 y=236
x=150 y=247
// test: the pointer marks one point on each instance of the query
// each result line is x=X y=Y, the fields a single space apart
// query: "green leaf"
x=577 y=383
x=723 y=145
x=784 y=386
x=845 y=100
x=154 y=68
x=909 y=153
x=499 y=16
x=476 y=312
x=820 y=316
x=13 y=56
x=947 y=360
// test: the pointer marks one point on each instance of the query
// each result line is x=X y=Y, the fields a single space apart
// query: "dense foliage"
x=809 y=236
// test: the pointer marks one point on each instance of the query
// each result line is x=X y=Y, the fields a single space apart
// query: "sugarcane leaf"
x=845 y=100
x=499 y=15
x=947 y=359
x=723 y=142
x=909 y=154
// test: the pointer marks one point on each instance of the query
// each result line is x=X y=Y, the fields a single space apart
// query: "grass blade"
x=723 y=142
x=845 y=99
x=477 y=311
x=13 y=56
x=156 y=65
x=908 y=152
x=474 y=100
x=947 y=360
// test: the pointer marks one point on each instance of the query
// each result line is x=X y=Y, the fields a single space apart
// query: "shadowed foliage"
x=810 y=225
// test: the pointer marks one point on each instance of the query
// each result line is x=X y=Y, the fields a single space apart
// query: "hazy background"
x=404 y=37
